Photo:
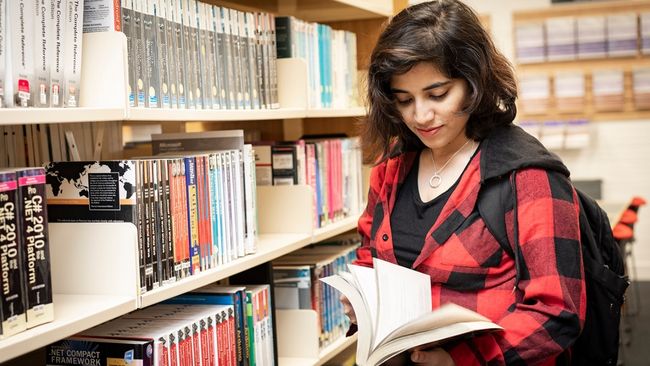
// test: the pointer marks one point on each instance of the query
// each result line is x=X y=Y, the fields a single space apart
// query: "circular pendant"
x=435 y=181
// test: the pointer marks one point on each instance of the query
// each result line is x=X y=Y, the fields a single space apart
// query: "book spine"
x=228 y=58
x=21 y=43
x=169 y=228
x=189 y=44
x=163 y=47
x=192 y=214
x=204 y=57
x=12 y=306
x=57 y=52
x=243 y=60
x=172 y=57
x=147 y=221
x=214 y=225
x=219 y=99
x=152 y=78
x=157 y=225
x=42 y=46
x=72 y=53
x=179 y=44
x=35 y=246
x=140 y=211
x=140 y=53
x=127 y=29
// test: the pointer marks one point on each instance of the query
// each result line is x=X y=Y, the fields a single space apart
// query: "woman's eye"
x=438 y=97
x=404 y=102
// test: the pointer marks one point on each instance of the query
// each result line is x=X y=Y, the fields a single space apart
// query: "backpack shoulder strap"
x=494 y=200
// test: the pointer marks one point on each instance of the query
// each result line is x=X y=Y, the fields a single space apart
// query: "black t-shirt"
x=411 y=218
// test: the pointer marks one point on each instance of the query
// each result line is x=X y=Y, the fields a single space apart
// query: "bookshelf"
x=586 y=66
x=94 y=285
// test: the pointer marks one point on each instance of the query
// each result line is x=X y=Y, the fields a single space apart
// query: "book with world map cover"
x=91 y=191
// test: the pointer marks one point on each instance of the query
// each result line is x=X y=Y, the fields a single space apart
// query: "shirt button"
x=385 y=237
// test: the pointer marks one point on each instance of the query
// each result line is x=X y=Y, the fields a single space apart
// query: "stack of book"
x=296 y=278
x=40 y=53
x=192 y=211
x=331 y=166
x=331 y=57
x=188 y=54
x=26 y=287
x=212 y=326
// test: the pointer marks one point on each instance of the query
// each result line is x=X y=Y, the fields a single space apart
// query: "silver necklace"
x=436 y=180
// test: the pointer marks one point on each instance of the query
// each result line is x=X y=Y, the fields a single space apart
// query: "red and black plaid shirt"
x=468 y=267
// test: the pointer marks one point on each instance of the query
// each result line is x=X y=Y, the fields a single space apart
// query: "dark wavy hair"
x=448 y=34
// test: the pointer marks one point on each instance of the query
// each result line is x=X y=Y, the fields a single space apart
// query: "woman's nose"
x=423 y=114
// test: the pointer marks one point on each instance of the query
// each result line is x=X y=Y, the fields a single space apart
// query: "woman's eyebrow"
x=428 y=87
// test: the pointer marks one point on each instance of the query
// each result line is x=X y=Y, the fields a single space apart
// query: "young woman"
x=442 y=103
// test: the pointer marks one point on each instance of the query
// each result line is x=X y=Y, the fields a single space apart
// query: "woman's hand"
x=347 y=307
x=432 y=357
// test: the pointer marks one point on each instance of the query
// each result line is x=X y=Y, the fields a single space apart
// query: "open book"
x=392 y=305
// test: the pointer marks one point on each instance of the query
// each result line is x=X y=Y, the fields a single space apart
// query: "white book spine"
x=42 y=46
x=21 y=45
x=101 y=16
x=57 y=54
x=72 y=52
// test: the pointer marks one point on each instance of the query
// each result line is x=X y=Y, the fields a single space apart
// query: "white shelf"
x=349 y=112
x=72 y=314
x=269 y=247
x=325 y=355
x=336 y=228
x=10 y=116
x=145 y=114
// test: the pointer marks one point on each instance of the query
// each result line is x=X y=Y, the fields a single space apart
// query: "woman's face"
x=431 y=105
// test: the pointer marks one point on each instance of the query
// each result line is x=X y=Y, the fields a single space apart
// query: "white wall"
x=619 y=150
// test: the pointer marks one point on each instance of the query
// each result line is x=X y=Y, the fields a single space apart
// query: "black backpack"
x=603 y=264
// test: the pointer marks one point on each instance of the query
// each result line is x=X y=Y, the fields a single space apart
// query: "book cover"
x=102 y=16
x=35 y=246
x=72 y=53
x=91 y=191
x=386 y=328
x=99 y=351
x=12 y=306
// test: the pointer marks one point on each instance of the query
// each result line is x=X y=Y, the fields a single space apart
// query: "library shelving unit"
x=95 y=265
x=586 y=66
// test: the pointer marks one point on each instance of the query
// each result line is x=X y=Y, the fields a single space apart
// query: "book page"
x=403 y=295
x=364 y=339
x=367 y=285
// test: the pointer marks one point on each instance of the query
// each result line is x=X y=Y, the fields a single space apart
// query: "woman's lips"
x=428 y=131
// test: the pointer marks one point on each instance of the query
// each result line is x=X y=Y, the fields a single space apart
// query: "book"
x=392 y=305
x=99 y=351
x=72 y=52
x=35 y=246
x=12 y=307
